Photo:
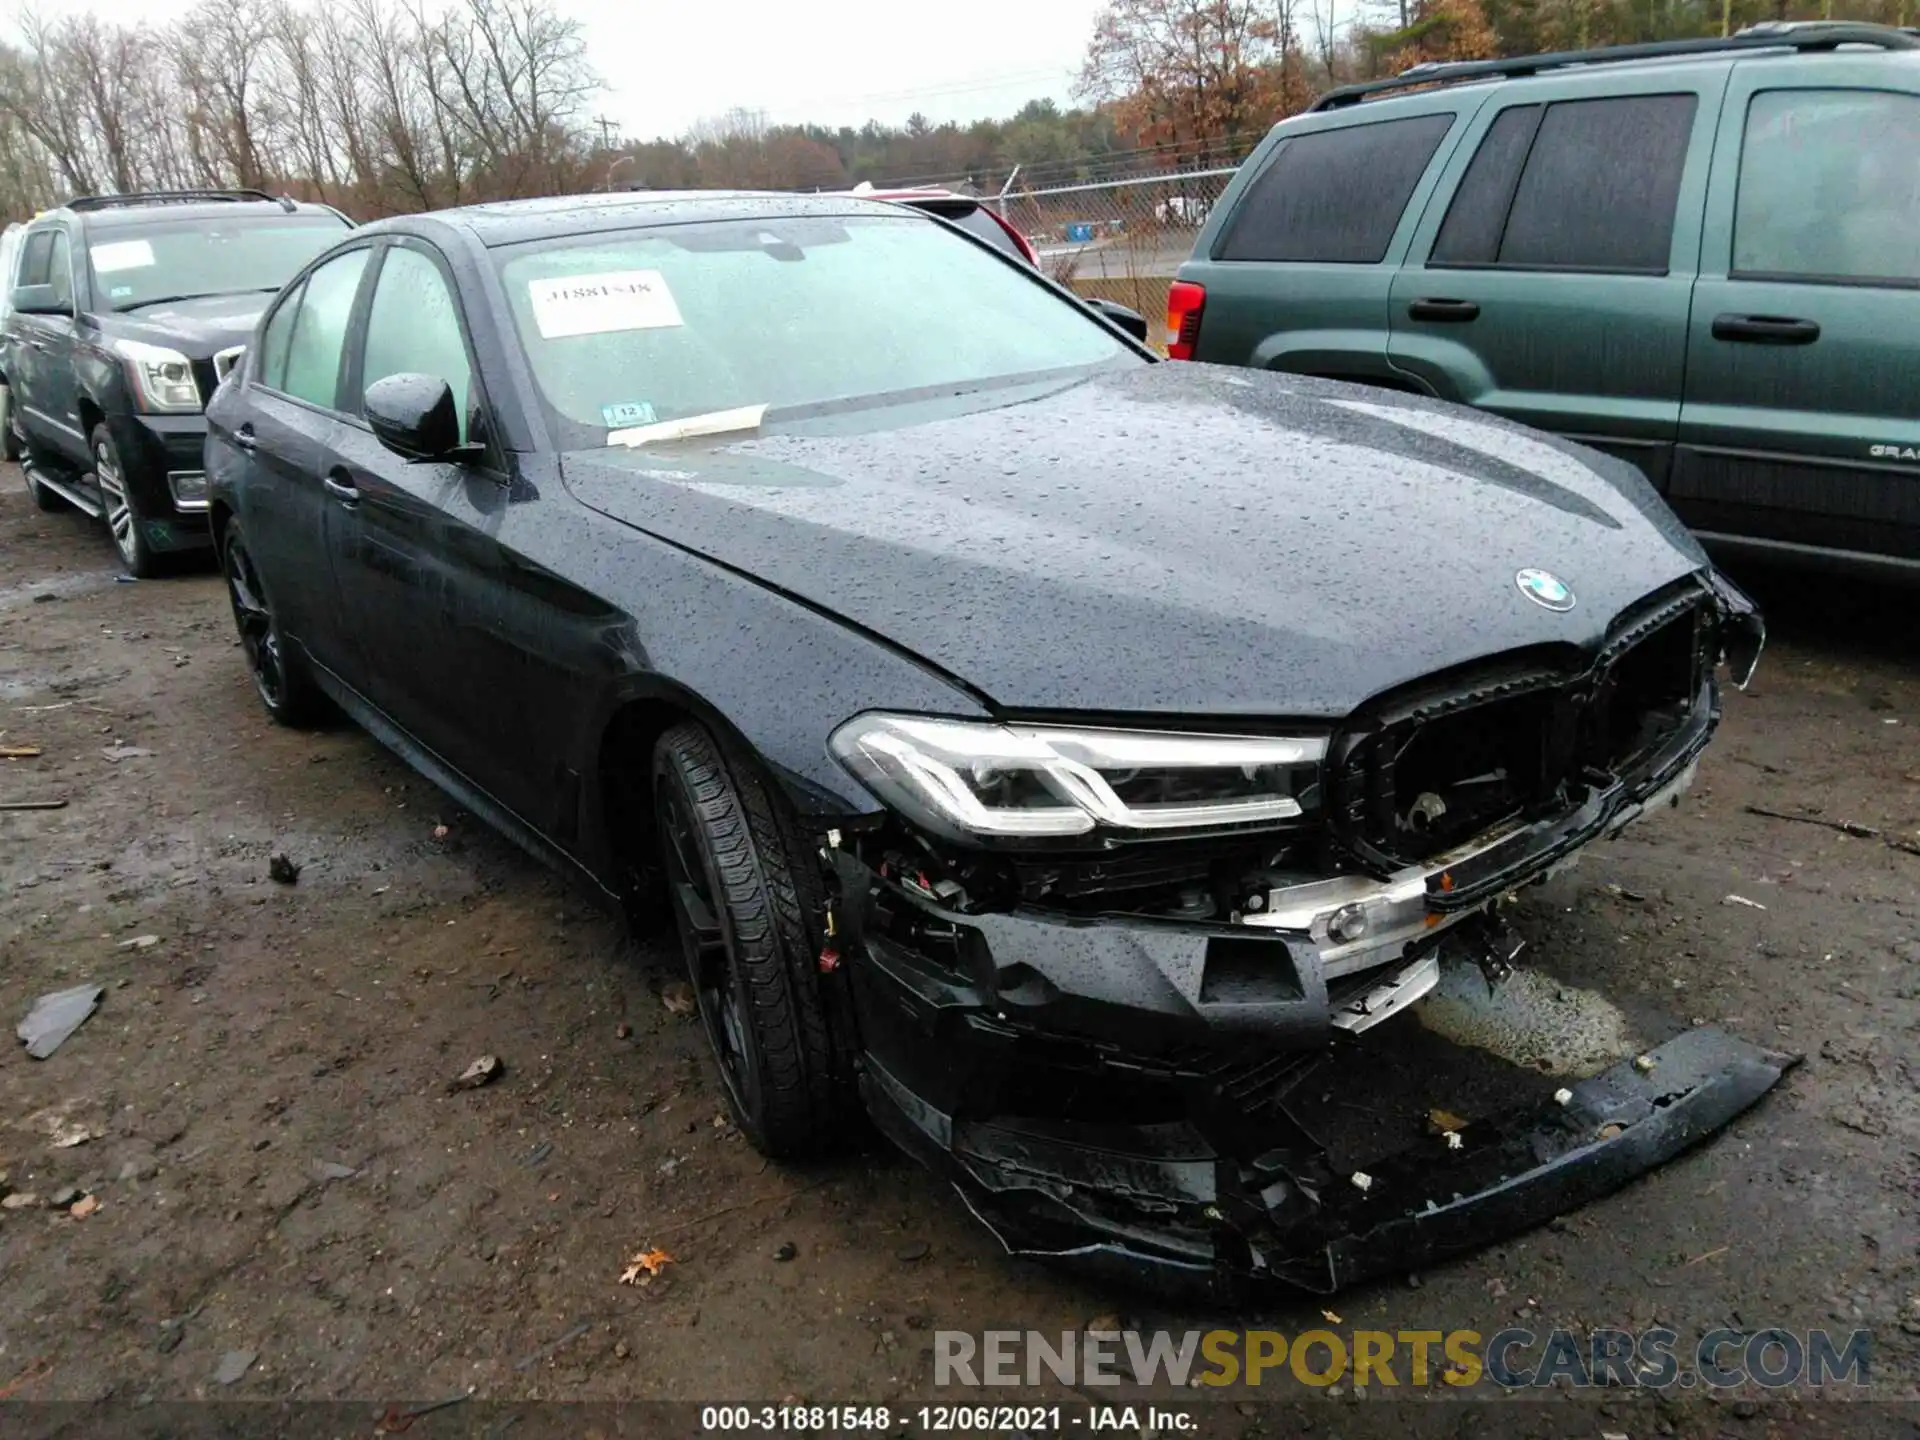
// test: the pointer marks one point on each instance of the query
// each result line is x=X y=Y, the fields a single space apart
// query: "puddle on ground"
x=1529 y=1019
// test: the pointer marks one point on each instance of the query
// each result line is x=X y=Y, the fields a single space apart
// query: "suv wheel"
x=754 y=965
x=18 y=445
x=285 y=687
x=11 y=447
x=121 y=509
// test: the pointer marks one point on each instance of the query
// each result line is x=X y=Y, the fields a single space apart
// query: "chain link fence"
x=1120 y=239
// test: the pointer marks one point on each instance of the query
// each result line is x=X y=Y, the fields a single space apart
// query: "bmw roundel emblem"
x=1543 y=587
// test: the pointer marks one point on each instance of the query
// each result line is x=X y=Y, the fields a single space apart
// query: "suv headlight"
x=974 y=780
x=162 y=378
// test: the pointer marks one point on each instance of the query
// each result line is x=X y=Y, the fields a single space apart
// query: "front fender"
x=773 y=677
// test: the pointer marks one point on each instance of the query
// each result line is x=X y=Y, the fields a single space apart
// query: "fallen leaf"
x=1331 y=1318
x=439 y=832
x=65 y=1137
x=84 y=1206
x=678 y=998
x=644 y=1266
x=1443 y=1121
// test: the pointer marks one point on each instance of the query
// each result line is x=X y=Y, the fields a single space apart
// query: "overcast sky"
x=668 y=63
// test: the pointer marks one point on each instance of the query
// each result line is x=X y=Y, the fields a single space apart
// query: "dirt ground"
x=280 y=1166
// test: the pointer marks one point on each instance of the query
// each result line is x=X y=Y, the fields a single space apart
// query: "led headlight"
x=162 y=378
x=973 y=780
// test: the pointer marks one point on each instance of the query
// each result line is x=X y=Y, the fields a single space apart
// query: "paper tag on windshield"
x=121 y=255
x=600 y=304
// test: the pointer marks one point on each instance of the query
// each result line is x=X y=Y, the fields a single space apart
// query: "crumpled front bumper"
x=1190 y=1105
x=1210 y=1107
x=1160 y=1206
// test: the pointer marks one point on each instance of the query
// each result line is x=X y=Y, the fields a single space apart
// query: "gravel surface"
x=292 y=1198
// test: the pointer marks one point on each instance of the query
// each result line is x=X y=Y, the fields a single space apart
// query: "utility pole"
x=606 y=131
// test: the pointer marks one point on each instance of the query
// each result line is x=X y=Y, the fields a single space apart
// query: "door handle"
x=1447 y=311
x=244 y=438
x=346 y=494
x=1765 y=329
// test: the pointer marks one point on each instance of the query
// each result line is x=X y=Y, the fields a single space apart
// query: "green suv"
x=1702 y=256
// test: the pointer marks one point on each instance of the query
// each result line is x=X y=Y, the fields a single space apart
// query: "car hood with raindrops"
x=1181 y=538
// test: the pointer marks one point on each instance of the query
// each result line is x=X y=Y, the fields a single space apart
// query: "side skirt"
x=376 y=723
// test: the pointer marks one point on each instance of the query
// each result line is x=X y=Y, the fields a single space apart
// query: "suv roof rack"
x=1774 y=35
x=174 y=197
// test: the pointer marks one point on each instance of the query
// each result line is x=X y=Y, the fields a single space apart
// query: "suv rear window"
x=1334 y=196
x=1576 y=185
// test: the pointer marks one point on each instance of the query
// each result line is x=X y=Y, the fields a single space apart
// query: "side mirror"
x=39 y=300
x=415 y=417
x=1131 y=321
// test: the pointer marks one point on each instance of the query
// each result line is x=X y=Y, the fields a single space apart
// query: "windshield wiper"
x=203 y=295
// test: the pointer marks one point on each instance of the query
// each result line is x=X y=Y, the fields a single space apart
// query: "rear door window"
x=1588 y=185
x=320 y=330
x=1830 y=188
x=1477 y=218
x=273 y=341
x=1334 y=196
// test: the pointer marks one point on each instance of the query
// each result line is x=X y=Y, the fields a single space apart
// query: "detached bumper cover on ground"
x=1159 y=1205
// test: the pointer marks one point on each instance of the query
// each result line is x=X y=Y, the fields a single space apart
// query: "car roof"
x=130 y=217
x=514 y=222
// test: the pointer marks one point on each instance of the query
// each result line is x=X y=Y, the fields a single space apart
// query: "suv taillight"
x=1185 y=301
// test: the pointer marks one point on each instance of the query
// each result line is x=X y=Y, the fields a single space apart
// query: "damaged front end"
x=1124 y=986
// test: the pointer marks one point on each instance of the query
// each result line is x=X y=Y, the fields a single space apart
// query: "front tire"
x=121 y=509
x=279 y=674
x=740 y=907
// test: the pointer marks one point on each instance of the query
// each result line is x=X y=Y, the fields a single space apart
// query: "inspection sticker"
x=633 y=412
x=121 y=255
x=599 y=304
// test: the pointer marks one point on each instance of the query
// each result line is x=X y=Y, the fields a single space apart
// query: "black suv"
x=127 y=312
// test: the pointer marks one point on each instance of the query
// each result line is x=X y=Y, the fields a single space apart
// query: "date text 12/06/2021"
x=947 y=1419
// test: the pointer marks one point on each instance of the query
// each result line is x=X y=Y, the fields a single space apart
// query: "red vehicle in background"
x=973 y=216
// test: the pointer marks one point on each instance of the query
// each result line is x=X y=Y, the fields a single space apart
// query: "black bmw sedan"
x=1069 y=763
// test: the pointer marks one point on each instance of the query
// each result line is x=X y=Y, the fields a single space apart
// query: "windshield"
x=133 y=267
x=627 y=333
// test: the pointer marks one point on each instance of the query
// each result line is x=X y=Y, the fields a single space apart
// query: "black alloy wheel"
x=285 y=688
x=750 y=953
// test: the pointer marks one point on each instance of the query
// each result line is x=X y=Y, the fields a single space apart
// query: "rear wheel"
x=740 y=907
x=121 y=508
x=10 y=445
x=285 y=687
x=21 y=449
